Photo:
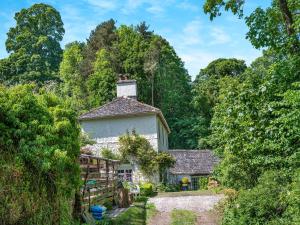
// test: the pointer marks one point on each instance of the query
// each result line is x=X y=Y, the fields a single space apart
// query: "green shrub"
x=147 y=189
x=266 y=203
x=167 y=187
x=108 y=204
x=203 y=183
x=39 y=148
x=109 y=154
x=172 y=188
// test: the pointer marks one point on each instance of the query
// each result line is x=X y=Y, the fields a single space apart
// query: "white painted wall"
x=106 y=132
x=162 y=134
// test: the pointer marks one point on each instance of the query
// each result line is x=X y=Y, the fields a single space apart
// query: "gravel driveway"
x=194 y=203
x=199 y=204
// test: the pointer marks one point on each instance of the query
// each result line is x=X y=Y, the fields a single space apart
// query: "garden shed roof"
x=123 y=106
x=193 y=162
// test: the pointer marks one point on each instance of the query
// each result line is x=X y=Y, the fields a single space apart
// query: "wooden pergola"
x=99 y=177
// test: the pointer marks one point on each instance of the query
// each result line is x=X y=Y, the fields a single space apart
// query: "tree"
x=222 y=67
x=246 y=131
x=276 y=27
x=101 y=84
x=102 y=37
x=206 y=93
x=143 y=29
x=73 y=87
x=34 y=44
x=39 y=146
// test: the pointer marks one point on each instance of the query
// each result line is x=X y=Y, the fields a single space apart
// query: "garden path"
x=202 y=205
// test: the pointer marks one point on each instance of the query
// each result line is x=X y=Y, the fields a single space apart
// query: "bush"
x=108 y=204
x=266 y=203
x=172 y=188
x=203 y=183
x=109 y=154
x=39 y=148
x=147 y=189
x=167 y=187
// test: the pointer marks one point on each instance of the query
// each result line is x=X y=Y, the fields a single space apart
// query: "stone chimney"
x=126 y=88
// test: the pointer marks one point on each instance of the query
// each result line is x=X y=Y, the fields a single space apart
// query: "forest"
x=248 y=115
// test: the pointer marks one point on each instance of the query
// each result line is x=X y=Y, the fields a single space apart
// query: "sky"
x=196 y=39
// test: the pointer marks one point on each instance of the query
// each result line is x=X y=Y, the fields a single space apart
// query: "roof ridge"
x=144 y=104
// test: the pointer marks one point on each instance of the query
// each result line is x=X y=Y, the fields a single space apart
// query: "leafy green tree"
x=246 y=129
x=34 y=45
x=73 y=86
x=206 y=92
x=277 y=26
x=102 y=37
x=101 y=84
x=39 y=146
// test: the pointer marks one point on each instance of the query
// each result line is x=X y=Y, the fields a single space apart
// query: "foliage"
x=266 y=203
x=135 y=215
x=108 y=204
x=73 y=86
x=84 y=140
x=39 y=149
x=180 y=216
x=203 y=183
x=147 y=189
x=275 y=27
x=251 y=120
x=102 y=37
x=101 y=84
x=206 y=92
x=34 y=45
x=161 y=187
x=109 y=154
x=137 y=150
x=151 y=211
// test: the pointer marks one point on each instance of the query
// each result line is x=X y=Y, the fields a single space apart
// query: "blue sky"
x=195 y=38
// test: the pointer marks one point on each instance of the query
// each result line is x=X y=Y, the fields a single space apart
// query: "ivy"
x=138 y=150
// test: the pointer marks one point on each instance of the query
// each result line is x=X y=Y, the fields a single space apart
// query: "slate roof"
x=193 y=162
x=123 y=106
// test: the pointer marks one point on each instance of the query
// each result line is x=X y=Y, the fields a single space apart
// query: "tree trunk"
x=287 y=15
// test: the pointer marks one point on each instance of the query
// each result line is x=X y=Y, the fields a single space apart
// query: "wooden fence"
x=99 y=177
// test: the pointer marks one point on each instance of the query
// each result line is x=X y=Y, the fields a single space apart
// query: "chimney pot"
x=126 y=88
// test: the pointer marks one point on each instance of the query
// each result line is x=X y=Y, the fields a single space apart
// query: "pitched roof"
x=193 y=162
x=123 y=106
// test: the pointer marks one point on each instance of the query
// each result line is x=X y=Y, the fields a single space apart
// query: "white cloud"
x=104 y=4
x=191 y=33
x=195 y=59
x=219 y=36
x=188 y=6
x=155 y=9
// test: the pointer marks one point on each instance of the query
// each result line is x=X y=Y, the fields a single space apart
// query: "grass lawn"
x=138 y=214
x=185 y=193
x=183 y=217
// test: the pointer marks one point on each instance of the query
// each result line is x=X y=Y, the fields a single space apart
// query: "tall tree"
x=73 y=87
x=102 y=37
x=34 y=44
x=101 y=84
x=206 y=92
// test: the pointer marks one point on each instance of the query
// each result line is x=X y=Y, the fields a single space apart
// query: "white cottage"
x=124 y=114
